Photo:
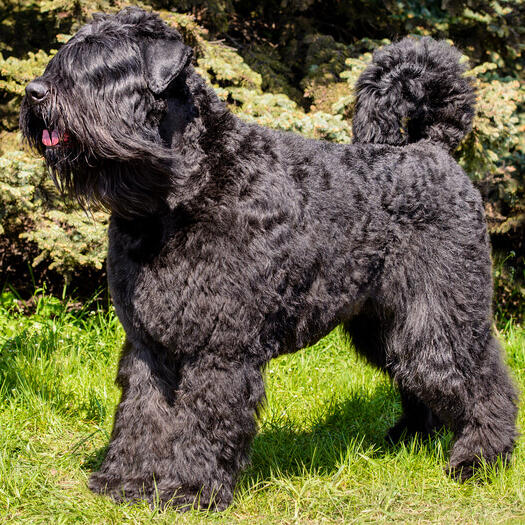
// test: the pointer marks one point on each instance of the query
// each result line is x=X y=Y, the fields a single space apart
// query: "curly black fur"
x=414 y=90
x=231 y=244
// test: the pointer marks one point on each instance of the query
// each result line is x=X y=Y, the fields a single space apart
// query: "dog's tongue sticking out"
x=50 y=140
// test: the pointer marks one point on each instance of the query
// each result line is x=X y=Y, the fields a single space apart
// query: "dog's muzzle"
x=37 y=92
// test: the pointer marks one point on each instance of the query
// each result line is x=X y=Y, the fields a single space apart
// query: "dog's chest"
x=180 y=289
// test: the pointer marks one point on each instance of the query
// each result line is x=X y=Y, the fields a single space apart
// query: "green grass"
x=320 y=456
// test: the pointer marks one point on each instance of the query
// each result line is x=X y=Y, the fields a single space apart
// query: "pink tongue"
x=52 y=140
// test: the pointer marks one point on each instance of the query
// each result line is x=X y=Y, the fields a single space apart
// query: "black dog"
x=231 y=244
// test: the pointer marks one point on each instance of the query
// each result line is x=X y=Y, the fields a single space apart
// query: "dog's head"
x=95 y=112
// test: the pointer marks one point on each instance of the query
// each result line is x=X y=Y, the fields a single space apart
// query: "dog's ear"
x=164 y=60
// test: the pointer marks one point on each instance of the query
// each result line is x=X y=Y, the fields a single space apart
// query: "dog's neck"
x=194 y=127
x=193 y=112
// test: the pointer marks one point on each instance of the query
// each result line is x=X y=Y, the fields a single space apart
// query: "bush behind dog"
x=41 y=230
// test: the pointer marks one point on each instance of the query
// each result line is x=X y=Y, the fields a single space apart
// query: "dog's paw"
x=405 y=429
x=161 y=494
x=116 y=487
x=102 y=483
x=460 y=471
x=399 y=432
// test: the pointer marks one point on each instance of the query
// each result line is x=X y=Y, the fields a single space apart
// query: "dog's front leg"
x=182 y=429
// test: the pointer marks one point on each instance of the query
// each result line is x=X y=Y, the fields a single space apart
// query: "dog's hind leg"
x=182 y=429
x=488 y=426
x=369 y=331
x=441 y=352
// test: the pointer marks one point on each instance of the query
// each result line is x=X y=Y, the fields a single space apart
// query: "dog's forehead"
x=131 y=22
x=108 y=37
x=89 y=50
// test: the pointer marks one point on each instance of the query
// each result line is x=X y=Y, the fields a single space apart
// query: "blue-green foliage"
x=290 y=65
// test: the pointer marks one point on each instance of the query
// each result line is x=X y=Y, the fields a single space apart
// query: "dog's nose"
x=37 y=91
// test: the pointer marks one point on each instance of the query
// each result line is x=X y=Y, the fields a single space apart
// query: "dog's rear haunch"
x=231 y=244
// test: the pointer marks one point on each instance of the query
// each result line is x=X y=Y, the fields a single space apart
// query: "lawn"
x=320 y=456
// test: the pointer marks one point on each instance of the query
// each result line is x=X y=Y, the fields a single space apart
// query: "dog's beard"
x=99 y=162
x=129 y=189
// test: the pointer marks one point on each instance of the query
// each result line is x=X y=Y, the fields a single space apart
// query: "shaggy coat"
x=230 y=244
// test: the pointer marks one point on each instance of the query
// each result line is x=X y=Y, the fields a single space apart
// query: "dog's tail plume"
x=414 y=90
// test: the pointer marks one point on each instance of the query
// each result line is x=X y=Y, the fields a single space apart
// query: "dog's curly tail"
x=415 y=89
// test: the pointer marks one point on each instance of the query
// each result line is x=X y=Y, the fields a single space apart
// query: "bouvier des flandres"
x=231 y=244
